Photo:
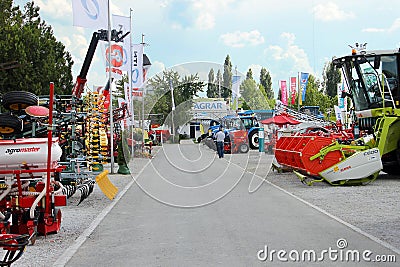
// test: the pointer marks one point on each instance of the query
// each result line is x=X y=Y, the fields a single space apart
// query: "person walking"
x=220 y=137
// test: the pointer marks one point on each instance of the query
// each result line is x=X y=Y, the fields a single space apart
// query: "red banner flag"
x=284 y=93
x=293 y=82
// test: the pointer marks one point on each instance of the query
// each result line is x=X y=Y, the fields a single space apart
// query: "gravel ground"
x=75 y=219
x=373 y=208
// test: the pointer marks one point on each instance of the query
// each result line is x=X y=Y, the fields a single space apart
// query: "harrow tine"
x=108 y=188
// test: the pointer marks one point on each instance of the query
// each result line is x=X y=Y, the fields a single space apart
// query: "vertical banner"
x=118 y=58
x=137 y=66
x=284 y=93
x=342 y=102
x=90 y=13
x=235 y=85
x=235 y=90
x=303 y=86
x=128 y=95
x=293 y=83
x=123 y=55
x=172 y=94
x=338 y=113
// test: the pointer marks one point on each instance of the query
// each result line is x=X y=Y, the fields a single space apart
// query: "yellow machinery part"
x=108 y=188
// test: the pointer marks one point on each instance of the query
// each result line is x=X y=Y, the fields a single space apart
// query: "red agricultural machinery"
x=50 y=148
x=372 y=82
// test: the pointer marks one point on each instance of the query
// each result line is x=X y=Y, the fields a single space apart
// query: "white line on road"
x=71 y=250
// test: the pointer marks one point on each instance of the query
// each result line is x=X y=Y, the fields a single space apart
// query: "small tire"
x=244 y=148
x=9 y=124
x=253 y=140
x=19 y=100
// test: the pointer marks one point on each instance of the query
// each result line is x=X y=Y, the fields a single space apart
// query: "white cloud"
x=331 y=12
x=373 y=30
x=62 y=8
x=206 y=12
x=290 y=56
x=205 y=21
x=241 y=39
x=156 y=68
x=55 y=9
x=394 y=27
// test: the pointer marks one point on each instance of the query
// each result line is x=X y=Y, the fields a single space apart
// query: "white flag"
x=172 y=94
x=235 y=86
x=121 y=23
x=128 y=95
x=90 y=13
x=137 y=66
x=116 y=58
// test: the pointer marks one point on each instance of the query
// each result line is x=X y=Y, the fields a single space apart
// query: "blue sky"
x=285 y=37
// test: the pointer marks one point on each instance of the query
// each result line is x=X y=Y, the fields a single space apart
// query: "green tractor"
x=372 y=79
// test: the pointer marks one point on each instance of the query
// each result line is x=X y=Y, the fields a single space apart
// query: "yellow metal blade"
x=108 y=188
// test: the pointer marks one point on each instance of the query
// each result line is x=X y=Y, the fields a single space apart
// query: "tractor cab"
x=372 y=78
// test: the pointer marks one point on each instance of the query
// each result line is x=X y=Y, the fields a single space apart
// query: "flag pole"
x=110 y=88
x=143 y=87
x=172 y=110
x=130 y=84
x=299 y=91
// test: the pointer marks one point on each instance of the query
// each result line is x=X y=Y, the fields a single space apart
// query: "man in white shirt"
x=219 y=137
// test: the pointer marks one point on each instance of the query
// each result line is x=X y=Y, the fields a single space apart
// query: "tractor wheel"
x=243 y=148
x=19 y=100
x=9 y=124
x=253 y=140
x=391 y=169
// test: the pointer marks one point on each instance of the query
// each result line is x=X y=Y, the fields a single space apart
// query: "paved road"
x=189 y=208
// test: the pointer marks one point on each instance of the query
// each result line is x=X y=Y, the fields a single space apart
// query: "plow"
x=337 y=157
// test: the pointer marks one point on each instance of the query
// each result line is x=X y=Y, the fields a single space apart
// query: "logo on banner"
x=117 y=55
x=135 y=76
x=91 y=8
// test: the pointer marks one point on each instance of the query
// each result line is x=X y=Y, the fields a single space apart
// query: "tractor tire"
x=253 y=140
x=244 y=148
x=19 y=100
x=391 y=169
x=9 y=124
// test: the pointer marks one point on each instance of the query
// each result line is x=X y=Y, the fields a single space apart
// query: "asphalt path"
x=190 y=208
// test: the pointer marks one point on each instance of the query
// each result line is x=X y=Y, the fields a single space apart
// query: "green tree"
x=252 y=96
x=249 y=74
x=226 y=90
x=39 y=58
x=331 y=78
x=262 y=90
x=212 y=87
x=219 y=83
x=184 y=90
x=266 y=82
x=316 y=97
